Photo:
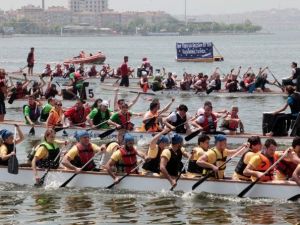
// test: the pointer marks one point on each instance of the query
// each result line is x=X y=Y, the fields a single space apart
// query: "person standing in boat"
x=46 y=109
x=119 y=102
x=30 y=61
x=3 y=94
x=97 y=117
x=294 y=79
x=293 y=102
x=45 y=153
x=200 y=150
x=32 y=111
x=259 y=163
x=255 y=147
x=124 y=159
x=81 y=153
x=7 y=148
x=121 y=120
x=178 y=120
x=126 y=71
x=158 y=143
x=56 y=116
x=216 y=156
x=154 y=112
x=77 y=114
x=170 y=159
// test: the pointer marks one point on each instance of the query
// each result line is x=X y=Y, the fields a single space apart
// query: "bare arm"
x=281 y=109
x=166 y=107
x=134 y=101
x=249 y=171
x=163 y=170
x=66 y=162
x=20 y=134
x=296 y=175
x=116 y=107
x=203 y=162
x=110 y=164
x=156 y=137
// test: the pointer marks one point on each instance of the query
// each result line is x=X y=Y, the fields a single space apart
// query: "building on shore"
x=92 y=6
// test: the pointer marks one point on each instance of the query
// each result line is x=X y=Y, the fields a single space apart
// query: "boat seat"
x=295 y=124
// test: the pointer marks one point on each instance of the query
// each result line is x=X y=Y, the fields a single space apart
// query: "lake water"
x=26 y=205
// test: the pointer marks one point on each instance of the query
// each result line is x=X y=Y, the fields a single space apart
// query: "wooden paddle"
x=75 y=174
x=280 y=85
x=126 y=175
x=13 y=164
x=202 y=179
x=32 y=131
x=294 y=198
x=248 y=188
x=42 y=180
x=96 y=126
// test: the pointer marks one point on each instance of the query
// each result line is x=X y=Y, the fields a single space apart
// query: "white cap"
x=144 y=73
x=174 y=74
x=105 y=103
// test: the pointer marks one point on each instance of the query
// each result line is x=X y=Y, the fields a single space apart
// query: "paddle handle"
x=248 y=188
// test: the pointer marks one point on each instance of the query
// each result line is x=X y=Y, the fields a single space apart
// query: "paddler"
x=170 y=159
x=126 y=71
x=121 y=120
x=19 y=91
x=119 y=102
x=3 y=94
x=47 y=71
x=293 y=102
x=30 y=61
x=81 y=153
x=37 y=89
x=7 y=148
x=200 y=150
x=170 y=81
x=154 y=112
x=110 y=148
x=77 y=114
x=99 y=115
x=260 y=162
x=51 y=91
x=46 y=109
x=207 y=122
x=232 y=121
x=93 y=71
x=178 y=120
x=144 y=83
x=158 y=143
x=32 y=111
x=254 y=148
x=124 y=159
x=45 y=154
x=285 y=168
x=216 y=156
x=56 y=116
x=294 y=79
x=58 y=72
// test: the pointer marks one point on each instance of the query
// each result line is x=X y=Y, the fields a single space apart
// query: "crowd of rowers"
x=163 y=157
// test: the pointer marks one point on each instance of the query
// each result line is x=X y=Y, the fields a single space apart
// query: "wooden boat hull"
x=218 y=58
x=94 y=59
x=140 y=183
x=141 y=138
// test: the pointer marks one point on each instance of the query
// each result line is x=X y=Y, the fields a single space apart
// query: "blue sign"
x=195 y=50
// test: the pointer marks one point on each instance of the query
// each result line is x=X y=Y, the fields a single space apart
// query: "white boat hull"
x=141 y=183
x=141 y=138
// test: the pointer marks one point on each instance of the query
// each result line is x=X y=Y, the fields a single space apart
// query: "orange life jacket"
x=155 y=126
x=265 y=165
x=54 y=118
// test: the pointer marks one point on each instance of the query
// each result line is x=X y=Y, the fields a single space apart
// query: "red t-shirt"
x=76 y=117
x=124 y=70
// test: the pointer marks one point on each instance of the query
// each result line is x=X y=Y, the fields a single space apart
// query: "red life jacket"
x=77 y=76
x=85 y=154
x=128 y=160
x=20 y=92
x=234 y=124
x=286 y=168
x=125 y=121
x=209 y=126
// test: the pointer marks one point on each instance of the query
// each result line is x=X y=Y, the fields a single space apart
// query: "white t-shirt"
x=173 y=117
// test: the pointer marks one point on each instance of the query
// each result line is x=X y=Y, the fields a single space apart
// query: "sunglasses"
x=58 y=104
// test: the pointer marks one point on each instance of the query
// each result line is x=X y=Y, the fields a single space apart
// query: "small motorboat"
x=97 y=58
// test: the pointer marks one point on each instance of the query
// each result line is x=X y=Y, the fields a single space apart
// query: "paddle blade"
x=12 y=98
x=243 y=192
x=68 y=181
x=32 y=131
x=192 y=135
x=294 y=198
x=13 y=165
x=106 y=133
x=57 y=129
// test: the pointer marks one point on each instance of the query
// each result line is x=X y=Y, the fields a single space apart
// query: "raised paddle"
x=75 y=174
x=126 y=175
x=202 y=179
x=96 y=126
x=42 y=180
x=248 y=188
x=280 y=85
x=13 y=164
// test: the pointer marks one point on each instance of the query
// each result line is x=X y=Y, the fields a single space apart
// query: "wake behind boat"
x=143 y=183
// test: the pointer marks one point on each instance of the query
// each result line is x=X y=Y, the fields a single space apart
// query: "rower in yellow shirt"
x=217 y=156
x=200 y=150
x=255 y=147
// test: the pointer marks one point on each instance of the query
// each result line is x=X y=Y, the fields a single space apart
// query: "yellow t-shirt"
x=167 y=153
x=41 y=153
x=3 y=150
x=74 y=151
x=197 y=153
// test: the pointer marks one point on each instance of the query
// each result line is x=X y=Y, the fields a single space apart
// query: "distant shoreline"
x=109 y=35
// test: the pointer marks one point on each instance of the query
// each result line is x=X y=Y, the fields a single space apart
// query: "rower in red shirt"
x=125 y=72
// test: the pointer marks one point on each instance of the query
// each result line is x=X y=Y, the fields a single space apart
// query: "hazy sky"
x=194 y=7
